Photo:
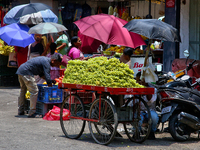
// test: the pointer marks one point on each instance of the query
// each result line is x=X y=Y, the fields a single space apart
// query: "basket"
x=49 y=94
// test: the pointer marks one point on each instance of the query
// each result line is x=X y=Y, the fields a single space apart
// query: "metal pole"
x=149 y=7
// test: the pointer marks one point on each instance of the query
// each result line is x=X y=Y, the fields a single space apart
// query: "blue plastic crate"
x=49 y=94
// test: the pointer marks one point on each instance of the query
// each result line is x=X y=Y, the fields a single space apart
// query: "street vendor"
x=151 y=102
x=36 y=66
x=62 y=43
x=73 y=51
x=126 y=56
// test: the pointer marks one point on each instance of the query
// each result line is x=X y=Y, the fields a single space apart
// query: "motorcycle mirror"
x=158 y=67
x=185 y=77
x=186 y=53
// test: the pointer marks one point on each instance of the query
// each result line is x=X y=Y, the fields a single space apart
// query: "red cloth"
x=89 y=44
x=54 y=114
x=3 y=13
x=21 y=54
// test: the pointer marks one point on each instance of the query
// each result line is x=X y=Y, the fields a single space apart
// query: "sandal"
x=35 y=116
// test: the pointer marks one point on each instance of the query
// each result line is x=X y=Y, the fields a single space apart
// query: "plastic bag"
x=149 y=74
x=12 y=61
x=65 y=60
x=54 y=114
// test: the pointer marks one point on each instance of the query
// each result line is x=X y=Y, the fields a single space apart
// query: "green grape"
x=100 y=71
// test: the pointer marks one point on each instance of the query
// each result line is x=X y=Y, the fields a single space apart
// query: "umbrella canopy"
x=22 y=10
x=31 y=8
x=47 y=27
x=39 y=17
x=89 y=45
x=16 y=35
x=109 y=29
x=154 y=29
x=9 y=17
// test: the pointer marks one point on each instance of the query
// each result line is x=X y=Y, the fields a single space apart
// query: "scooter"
x=181 y=107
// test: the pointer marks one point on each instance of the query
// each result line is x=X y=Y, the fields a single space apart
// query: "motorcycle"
x=174 y=78
x=181 y=107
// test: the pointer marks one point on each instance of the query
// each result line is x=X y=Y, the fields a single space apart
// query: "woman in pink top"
x=74 y=51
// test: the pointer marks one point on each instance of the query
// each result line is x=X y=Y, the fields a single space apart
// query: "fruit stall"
x=109 y=80
x=7 y=74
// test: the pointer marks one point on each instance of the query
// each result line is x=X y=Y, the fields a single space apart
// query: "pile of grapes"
x=100 y=71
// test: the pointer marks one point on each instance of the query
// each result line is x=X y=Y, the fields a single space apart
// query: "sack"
x=65 y=60
x=54 y=114
x=12 y=60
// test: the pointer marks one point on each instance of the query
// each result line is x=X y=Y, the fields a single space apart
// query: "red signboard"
x=170 y=3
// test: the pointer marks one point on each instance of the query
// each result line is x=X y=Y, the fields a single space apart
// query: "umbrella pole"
x=147 y=52
x=146 y=57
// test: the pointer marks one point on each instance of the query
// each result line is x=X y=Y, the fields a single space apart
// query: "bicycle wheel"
x=103 y=131
x=138 y=130
x=73 y=128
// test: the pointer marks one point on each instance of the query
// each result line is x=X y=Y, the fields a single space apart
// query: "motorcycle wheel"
x=178 y=131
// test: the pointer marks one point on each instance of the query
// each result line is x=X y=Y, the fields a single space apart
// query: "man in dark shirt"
x=36 y=66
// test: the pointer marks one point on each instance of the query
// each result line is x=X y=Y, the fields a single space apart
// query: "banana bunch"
x=116 y=49
x=5 y=49
x=27 y=96
x=124 y=16
x=138 y=51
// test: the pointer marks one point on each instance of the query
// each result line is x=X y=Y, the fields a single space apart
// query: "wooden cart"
x=104 y=113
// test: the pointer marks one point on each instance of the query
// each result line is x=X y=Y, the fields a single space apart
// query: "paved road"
x=22 y=133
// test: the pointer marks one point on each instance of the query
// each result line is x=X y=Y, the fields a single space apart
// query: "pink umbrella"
x=109 y=29
x=89 y=45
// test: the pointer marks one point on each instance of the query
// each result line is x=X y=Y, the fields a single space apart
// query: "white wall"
x=184 y=28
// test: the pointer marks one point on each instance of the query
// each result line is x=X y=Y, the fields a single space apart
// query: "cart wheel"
x=73 y=128
x=138 y=131
x=104 y=130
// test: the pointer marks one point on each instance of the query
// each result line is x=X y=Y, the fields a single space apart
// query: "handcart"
x=104 y=113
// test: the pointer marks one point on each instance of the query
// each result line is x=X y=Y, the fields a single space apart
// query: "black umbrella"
x=30 y=8
x=154 y=29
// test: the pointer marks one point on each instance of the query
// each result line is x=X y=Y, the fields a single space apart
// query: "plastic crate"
x=41 y=108
x=62 y=72
x=49 y=94
x=124 y=113
x=57 y=73
x=4 y=70
x=9 y=80
x=86 y=96
x=3 y=60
